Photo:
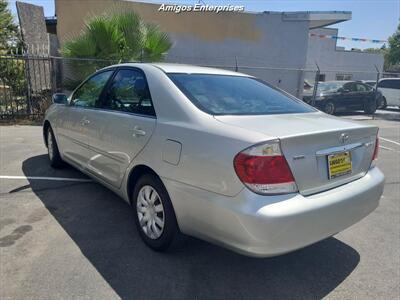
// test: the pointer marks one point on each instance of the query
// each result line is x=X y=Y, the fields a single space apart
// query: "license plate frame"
x=339 y=164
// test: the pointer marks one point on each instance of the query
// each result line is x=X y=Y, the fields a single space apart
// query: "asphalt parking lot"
x=62 y=239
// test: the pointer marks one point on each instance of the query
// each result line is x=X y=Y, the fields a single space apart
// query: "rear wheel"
x=154 y=215
x=330 y=108
x=52 y=150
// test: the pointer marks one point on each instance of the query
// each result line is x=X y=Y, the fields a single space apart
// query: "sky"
x=371 y=19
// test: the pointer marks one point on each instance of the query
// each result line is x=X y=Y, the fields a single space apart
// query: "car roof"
x=343 y=81
x=184 y=69
x=190 y=69
x=336 y=81
x=394 y=78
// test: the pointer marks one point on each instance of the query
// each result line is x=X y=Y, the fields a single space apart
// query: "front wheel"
x=154 y=215
x=330 y=108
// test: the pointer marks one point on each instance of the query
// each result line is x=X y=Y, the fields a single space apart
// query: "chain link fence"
x=28 y=81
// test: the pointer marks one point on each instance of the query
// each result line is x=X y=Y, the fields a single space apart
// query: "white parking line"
x=386 y=148
x=390 y=141
x=45 y=178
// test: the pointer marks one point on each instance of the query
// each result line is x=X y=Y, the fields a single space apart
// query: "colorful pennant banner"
x=335 y=37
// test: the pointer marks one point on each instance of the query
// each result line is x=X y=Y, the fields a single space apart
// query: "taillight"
x=376 y=150
x=264 y=169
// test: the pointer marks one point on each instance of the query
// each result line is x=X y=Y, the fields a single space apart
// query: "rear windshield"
x=236 y=95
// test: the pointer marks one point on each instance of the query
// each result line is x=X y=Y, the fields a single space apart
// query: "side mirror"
x=344 y=91
x=59 y=98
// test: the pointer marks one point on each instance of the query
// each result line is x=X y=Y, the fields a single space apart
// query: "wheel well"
x=46 y=126
x=135 y=174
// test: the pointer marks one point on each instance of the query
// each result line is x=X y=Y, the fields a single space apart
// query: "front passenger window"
x=88 y=93
x=129 y=92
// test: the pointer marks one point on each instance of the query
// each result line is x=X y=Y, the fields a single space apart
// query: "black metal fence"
x=28 y=81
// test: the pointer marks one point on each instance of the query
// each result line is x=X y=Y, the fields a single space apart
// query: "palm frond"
x=82 y=46
x=115 y=36
x=157 y=43
x=105 y=36
x=130 y=26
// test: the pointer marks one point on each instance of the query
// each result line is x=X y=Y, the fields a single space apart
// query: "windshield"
x=236 y=95
x=329 y=86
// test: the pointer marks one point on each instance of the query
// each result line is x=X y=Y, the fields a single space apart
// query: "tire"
x=52 y=150
x=329 y=108
x=383 y=103
x=163 y=232
x=370 y=107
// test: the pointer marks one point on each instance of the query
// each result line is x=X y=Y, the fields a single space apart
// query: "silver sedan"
x=217 y=155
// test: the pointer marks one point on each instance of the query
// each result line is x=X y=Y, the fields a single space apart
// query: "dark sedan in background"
x=334 y=96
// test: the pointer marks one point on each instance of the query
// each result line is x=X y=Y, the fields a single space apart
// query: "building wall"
x=253 y=40
x=335 y=61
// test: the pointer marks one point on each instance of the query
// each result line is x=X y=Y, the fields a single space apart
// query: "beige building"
x=71 y=16
x=263 y=44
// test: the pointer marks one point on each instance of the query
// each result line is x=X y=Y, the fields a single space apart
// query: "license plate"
x=339 y=164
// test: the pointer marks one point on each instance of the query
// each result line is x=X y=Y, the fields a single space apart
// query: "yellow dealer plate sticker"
x=339 y=164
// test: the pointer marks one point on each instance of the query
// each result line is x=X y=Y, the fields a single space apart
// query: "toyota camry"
x=218 y=155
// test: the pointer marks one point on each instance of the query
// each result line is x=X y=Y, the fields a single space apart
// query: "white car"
x=218 y=155
x=390 y=89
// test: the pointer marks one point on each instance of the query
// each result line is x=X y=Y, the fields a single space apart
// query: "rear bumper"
x=271 y=225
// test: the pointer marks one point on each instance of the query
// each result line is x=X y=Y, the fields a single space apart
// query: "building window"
x=344 y=76
x=321 y=77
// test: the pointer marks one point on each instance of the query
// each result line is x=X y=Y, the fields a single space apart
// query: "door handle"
x=137 y=131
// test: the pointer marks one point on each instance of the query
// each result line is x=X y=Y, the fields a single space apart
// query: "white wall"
x=360 y=65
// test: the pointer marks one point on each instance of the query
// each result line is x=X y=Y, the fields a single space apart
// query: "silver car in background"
x=390 y=88
x=217 y=155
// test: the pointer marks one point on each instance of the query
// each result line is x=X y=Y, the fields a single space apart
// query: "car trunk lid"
x=308 y=139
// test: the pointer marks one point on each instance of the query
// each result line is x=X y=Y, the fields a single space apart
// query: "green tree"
x=8 y=29
x=11 y=70
x=393 y=55
x=116 y=37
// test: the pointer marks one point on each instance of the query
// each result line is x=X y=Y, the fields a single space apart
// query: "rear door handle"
x=137 y=131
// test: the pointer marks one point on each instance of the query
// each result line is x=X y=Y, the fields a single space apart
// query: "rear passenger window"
x=350 y=87
x=129 y=92
x=389 y=84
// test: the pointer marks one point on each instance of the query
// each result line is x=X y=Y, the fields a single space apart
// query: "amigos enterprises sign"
x=200 y=8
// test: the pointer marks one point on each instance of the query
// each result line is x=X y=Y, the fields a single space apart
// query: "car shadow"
x=102 y=226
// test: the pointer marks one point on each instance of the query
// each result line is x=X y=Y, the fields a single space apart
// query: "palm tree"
x=111 y=38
